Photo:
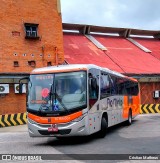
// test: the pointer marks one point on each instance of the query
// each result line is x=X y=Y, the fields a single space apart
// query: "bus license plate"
x=51 y=129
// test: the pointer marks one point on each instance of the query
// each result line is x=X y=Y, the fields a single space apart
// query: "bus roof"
x=62 y=68
x=75 y=67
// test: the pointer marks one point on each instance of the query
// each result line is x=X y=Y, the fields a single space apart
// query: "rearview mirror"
x=21 y=84
x=20 y=88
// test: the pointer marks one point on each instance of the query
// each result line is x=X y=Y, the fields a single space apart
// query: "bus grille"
x=61 y=132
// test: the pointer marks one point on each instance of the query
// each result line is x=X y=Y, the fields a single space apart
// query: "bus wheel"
x=104 y=126
x=129 y=121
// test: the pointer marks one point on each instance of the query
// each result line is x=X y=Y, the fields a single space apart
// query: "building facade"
x=30 y=37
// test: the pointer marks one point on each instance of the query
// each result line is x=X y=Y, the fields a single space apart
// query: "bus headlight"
x=79 y=118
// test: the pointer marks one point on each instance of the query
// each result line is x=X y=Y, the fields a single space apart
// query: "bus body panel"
x=88 y=120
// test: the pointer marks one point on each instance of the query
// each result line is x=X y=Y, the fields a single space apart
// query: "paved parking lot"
x=142 y=137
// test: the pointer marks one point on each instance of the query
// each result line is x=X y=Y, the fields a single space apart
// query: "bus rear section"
x=113 y=98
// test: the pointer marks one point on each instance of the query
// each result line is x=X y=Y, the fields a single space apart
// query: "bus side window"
x=93 y=86
x=132 y=88
x=136 y=90
x=121 y=87
x=105 y=85
x=93 y=94
x=113 y=81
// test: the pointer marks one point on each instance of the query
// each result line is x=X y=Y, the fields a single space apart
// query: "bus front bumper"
x=64 y=129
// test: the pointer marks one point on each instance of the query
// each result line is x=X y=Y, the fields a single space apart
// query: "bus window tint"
x=105 y=85
x=93 y=86
x=40 y=86
x=131 y=87
x=127 y=87
x=121 y=86
x=113 y=83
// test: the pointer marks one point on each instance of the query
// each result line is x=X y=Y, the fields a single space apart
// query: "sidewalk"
x=19 y=128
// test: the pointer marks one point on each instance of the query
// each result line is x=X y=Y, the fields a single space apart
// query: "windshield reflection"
x=52 y=93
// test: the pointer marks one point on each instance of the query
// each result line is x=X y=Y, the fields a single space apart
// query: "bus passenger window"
x=113 y=81
x=93 y=86
x=121 y=88
x=105 y=85
x=93 y=89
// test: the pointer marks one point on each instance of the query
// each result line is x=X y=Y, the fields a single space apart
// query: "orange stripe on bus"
x=130 y=78
x=52 y=120
x=135 y=106
x=125 y=107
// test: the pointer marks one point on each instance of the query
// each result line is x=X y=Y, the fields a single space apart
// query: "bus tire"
x=129 y=121
x=104 y=126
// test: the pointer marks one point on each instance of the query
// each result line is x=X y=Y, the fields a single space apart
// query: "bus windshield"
x=57 y=93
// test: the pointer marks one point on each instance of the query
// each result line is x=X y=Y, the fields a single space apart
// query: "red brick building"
x=30 y=37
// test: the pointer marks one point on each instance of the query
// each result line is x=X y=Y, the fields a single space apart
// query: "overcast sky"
x=139 y=14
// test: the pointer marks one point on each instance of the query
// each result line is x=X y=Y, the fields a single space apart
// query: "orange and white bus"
x=78 y=100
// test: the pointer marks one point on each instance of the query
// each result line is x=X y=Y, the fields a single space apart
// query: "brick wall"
x=147 y=92
x=12 y=103
x=14 y=46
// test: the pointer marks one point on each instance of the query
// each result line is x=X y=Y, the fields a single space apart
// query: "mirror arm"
x=21 y=84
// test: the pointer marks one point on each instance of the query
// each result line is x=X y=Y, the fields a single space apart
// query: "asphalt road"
x=142 y=137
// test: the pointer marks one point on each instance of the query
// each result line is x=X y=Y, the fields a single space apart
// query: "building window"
x=15 y=64
x=31 y=31
x=32 y=63
x=49 y=63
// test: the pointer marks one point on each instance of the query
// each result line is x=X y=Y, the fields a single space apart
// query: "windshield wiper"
x=60 y=101
x=50 y=97
x=45 y=109
x=47 y=98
